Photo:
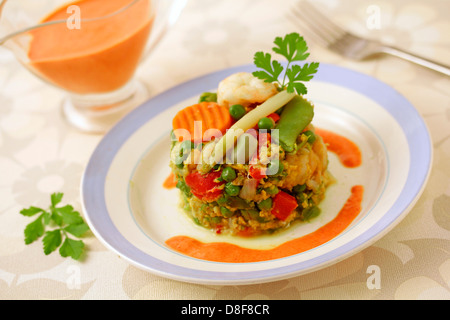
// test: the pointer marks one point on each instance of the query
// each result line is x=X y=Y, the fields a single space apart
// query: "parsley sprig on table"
x=294 y=48
x=63 y=220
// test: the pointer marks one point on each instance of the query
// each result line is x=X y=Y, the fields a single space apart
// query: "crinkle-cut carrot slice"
x=209 y=115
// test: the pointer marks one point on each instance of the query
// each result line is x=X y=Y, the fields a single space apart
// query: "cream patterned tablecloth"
x=41 y=154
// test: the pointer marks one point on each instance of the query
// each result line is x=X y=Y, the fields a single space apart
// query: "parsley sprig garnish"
x=63 y=220
x=294 y=48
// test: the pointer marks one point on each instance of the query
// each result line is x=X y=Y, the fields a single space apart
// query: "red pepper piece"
x=283 y=205
x=274 y=116
x=204 y=186
x=257 y=172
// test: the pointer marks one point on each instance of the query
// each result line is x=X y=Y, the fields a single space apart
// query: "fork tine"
x=308 y=31
x=329 y=38
x=315 y=16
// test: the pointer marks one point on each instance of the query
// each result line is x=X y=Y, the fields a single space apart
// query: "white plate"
x=133 y=215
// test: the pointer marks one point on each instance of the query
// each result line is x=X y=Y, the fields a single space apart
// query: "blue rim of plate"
x=94 y=178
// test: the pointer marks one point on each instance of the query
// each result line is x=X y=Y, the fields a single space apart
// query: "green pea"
x=231 y=189
x=226 y=212
x=237 y=111
x=311 y=136
x=311 y=213
x=300 y=198
x=228 y=174
x=299 y=188
x=252 y=214
x=222 y=200
x=184 y=187
x=265 y=204
x=208 y=97
x=238 y=203
x=280 y=167
x=265 y=123
x=197 y=221
x=273 y=190
x=245 y=214
x=216 y=220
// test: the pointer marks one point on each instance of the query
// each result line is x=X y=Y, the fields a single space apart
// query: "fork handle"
x=417 y=59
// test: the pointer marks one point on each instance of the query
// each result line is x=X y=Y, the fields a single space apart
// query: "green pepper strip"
x=296 y=115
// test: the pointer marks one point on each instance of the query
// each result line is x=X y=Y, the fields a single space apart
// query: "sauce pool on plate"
x=170 y=182
x=347 y=151
x=226 y=252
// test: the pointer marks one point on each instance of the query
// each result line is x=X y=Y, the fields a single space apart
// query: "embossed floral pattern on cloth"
x=40 y=154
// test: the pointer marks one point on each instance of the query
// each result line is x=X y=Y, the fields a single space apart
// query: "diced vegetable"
x=299 y=188
x=237 y=111
x=311 y=136
x=283 y=205
x=257 y=172
x=208 y=97
x=252 y=214
x=274 y=116
x=231 y=189
x=311 y=213
x=234 y=202
x=211 y=116
x=184 y=187
x=248 y=190
x=228 y=174
x=226 y=212
x=272 y=190
x=296 y=115
x=216 y=220
x=204 y=186
x=265 y=204
x=266 y=123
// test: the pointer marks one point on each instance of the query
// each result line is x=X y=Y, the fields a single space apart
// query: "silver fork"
x=348 y=44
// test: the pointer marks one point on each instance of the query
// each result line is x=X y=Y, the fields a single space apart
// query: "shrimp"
x=245 y=89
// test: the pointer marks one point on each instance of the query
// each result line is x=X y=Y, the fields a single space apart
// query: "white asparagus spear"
x=249 y=121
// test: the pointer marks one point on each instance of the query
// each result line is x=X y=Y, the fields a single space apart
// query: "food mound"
x=246 y=157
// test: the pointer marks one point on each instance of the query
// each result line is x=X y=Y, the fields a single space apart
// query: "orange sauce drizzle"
x=347 y=151
x=226 y=252
x=170 y=182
